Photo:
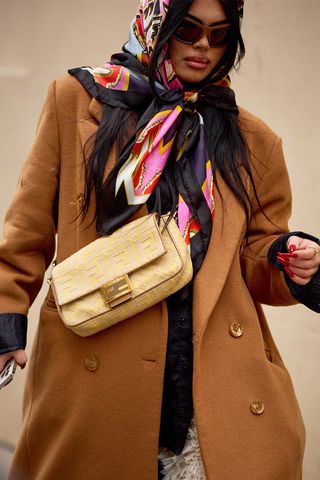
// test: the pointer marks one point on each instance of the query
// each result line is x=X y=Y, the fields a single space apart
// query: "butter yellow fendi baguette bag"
x=121 y=274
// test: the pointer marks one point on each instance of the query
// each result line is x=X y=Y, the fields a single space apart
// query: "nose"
x=203 y=42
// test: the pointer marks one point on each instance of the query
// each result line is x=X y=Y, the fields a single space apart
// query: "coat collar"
x=95 y=109
x=87 y=126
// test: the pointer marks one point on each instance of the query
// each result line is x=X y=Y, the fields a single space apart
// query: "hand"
x=19 y=355
x=302 y=260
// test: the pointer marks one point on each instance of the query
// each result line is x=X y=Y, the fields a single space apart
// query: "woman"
x=101 y=406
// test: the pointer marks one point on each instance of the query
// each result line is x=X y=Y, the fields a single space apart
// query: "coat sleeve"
x=28 y=245
x=267 y=284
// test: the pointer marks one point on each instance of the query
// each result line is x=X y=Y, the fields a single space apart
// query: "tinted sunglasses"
x=191 y=31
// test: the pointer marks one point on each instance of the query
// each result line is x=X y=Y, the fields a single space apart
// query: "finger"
x=296 y=278
x=287 y=255
x=20 y=357
x=315 y=253
x=300 y=263
x=309 y=253
x=303 y=273
x=293 y=243
x=301 y=281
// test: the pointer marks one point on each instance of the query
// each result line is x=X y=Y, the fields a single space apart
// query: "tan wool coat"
x=92 y=405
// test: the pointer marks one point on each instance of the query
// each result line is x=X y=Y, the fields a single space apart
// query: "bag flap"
x=131 y=247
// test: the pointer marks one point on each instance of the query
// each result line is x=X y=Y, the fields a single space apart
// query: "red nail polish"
x=292 y=248
x=288 y=255
x=291 y=274
x=283 y=262
x=286 y=259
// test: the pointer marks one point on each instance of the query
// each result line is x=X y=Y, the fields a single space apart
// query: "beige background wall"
x=41 y=39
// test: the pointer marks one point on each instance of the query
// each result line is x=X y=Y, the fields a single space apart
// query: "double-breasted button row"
x=236 y=330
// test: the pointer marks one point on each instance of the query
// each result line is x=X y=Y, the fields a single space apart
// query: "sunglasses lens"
x=219 y=37
x=188 y=32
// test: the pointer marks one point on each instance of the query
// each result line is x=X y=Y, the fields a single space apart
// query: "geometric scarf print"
x=152 y=144
x=143 y=168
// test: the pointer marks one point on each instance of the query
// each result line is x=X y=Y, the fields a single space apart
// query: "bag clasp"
x=117 y=291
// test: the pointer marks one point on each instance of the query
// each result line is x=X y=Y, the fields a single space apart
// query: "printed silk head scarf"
x=169 y=127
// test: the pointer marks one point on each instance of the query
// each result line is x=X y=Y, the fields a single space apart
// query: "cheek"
x=176 y=51
x=216 y=54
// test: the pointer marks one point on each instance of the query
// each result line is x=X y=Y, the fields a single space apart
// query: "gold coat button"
x=91 y=363
x=257 y=407
x=236 y=329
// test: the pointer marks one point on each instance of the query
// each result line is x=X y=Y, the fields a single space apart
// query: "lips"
x=197 y=61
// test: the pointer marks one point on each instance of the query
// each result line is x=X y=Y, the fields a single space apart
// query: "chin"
x=192 y=76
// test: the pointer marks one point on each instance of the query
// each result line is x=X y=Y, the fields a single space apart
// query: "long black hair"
x=226 y=146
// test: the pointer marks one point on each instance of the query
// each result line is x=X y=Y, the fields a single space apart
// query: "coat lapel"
x=225 y=243
x=88 y=126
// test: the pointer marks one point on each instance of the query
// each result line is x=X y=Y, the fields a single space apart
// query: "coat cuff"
x=308 y=295
x=13 y=332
